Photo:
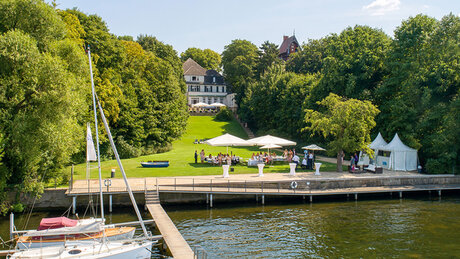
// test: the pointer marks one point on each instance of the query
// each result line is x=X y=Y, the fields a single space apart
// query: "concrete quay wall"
x=336 y=183
x=57 y=198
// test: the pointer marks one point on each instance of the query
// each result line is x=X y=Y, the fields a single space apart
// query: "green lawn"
x=181 y=157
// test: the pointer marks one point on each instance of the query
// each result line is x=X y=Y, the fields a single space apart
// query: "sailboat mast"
x=97 y=134
x=131 y=196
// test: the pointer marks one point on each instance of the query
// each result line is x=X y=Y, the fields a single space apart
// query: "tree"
x=35 y=17
x=239 y=61
x=419 y=96
x=41 y=103
x=310 y=59
x=353 y=65
x=348 y=122
x=206 y=58
x=268 y=55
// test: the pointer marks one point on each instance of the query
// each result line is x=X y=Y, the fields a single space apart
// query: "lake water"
x=420 y=227
x=407 y=228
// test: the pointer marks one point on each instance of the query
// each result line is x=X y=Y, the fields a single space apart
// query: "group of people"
x=307 y=161
x=354 y=161
x=232 y=159
x=220 y=159
x=263 y=157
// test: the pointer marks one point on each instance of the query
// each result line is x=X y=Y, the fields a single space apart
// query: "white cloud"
x=381 y=7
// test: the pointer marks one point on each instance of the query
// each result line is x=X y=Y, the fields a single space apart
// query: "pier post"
x=356 y=196
x=311 y=198
x=263 y=199
x=400 y=195
x=207 y=198
x=210 y=200
x=439 y=193
x=74 y=204
x=11 y=225
x=158 y=190
x=110 y=203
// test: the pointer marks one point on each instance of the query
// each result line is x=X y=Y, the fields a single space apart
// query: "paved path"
x=165 y=183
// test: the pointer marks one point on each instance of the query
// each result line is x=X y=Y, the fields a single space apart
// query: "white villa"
x=206 y=86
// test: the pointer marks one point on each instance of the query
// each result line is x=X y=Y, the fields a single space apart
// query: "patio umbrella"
x=227 y=140
x=268 y=146
x=313 y=147
x=200 y=104
x=217 y=104
x=268 y=139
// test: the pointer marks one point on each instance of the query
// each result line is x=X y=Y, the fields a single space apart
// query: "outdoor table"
x=261 y=169
x=225 y=168
x=317 y=166
x=292 y=166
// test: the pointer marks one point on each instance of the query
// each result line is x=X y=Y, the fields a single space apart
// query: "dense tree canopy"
x=206 y=58
x=413 y=79
x=419 y=99
x=45 y=92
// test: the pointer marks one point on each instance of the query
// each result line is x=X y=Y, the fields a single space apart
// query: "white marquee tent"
x=376 y=145
x=402 y=157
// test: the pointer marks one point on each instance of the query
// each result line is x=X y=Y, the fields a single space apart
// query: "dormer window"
x=193 y=78
x=214 y=79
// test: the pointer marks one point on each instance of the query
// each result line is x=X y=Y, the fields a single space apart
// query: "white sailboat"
x=99 y=247
x=60 y=230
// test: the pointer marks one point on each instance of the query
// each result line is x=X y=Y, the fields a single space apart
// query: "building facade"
x=206 y=86
x=290 y=45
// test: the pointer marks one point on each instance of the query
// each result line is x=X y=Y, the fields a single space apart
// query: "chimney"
x=285 y=37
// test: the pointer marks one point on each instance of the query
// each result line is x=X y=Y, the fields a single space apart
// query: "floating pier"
x=175 y=243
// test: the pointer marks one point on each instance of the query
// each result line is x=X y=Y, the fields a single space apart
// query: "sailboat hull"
x=111 y=250
x=112 y=234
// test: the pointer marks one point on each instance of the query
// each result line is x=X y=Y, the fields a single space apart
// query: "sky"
x=214 y=24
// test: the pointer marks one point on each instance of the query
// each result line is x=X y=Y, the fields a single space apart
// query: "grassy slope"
x=181 y=157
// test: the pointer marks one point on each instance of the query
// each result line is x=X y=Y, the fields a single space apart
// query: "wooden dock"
x=173 y=239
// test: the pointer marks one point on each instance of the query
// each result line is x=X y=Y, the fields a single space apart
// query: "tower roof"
x=287 y=41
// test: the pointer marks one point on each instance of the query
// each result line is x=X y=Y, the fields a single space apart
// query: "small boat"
x=155 y=164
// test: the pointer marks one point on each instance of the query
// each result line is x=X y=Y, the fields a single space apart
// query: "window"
x=194 y=88
x=194 y=78
x=214 y=79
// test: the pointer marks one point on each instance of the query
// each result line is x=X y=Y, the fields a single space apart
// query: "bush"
x=224 y=115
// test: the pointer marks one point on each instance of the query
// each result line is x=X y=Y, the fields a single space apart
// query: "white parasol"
x=200 y=104
x=313 y=147
x=227 y=140
x=268 y=139
x=269 y=146
x=217 y=104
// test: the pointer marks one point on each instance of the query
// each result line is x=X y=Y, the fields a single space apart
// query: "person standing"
x=196 y=156
x=296 y=160
x=310 y=161
x=202 y=155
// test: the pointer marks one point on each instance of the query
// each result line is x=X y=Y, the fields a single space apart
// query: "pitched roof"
x=190 y=67
x=287 y=43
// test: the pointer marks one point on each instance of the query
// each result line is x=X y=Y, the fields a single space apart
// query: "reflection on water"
x=367 y=229
x=23 y=221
